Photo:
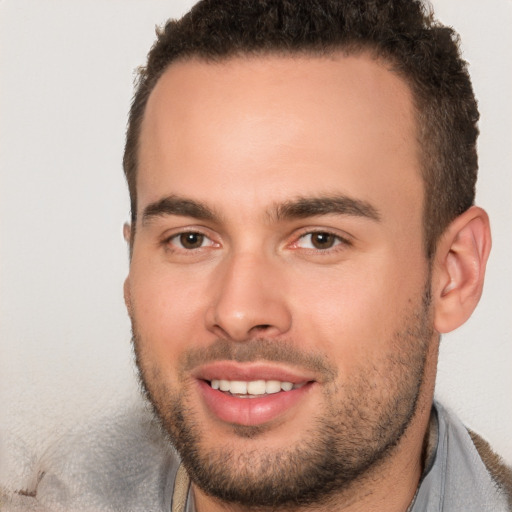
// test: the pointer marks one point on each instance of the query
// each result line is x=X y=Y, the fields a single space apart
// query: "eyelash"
x=335 y=238
x=338 y=241
x=167 y=242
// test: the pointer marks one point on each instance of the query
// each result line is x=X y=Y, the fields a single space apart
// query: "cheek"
x=167 y=311
x=353 y=313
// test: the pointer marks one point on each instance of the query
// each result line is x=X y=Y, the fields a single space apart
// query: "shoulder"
x=119 y=462
x=466 y=472
x=500 y=473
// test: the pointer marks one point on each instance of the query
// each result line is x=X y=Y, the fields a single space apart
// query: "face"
x=278 y=288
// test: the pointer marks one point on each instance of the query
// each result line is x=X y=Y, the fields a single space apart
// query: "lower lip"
x=250 y=411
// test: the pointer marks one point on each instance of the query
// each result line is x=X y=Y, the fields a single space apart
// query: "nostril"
x=262 y=327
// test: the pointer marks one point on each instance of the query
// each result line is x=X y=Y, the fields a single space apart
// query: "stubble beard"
x=348 y=438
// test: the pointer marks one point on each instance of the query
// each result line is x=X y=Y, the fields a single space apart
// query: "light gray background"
x=67 y=68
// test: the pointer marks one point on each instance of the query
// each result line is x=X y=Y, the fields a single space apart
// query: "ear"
x=127 y=230
x=459 y=269
x=127 y=295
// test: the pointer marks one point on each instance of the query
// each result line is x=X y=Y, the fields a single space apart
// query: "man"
x=302 y=183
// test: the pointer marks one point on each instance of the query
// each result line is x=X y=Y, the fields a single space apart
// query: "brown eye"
x=191 y=240
x=322 y=240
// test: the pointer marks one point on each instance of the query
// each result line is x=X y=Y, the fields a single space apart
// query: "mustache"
x=257 y=350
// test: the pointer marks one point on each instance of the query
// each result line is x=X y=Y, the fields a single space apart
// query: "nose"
x=249 y=299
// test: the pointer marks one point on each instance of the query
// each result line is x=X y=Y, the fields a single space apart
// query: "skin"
x=264 y=132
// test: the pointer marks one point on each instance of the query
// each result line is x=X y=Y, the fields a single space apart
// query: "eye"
x=320 y=240
x=190 y=240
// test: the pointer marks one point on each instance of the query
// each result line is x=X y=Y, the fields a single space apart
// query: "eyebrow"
x=175 y=205
x=325 y=205
x=298 y=208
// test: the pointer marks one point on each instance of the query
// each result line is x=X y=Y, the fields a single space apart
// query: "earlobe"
x=127 y=231
x=459 y=269
x=126 y=286
x=127 y=295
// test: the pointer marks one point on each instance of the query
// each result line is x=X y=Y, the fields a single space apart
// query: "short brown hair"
x=402 y=32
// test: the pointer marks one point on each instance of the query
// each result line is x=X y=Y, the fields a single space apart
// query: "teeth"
x=254 y=387
x=273 y=386
x=238 y=387
x=286 y=386
x=224 y=385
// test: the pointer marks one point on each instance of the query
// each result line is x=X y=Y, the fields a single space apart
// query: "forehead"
x=270 y=126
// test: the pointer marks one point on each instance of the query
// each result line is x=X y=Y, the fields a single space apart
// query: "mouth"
x=251 y=394
x=253 y=388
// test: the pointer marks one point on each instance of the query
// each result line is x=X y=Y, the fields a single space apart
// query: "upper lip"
x=231 y=370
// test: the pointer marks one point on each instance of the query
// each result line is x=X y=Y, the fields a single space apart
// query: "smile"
x=253 y=388
x=252 y=393
x=247 y=403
